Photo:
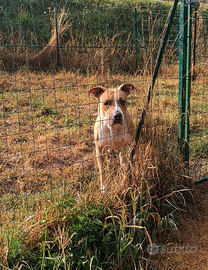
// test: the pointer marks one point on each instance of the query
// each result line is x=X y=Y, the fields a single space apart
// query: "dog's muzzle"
x=117 y=118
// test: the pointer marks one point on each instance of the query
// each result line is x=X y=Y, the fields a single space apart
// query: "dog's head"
x=113 y=102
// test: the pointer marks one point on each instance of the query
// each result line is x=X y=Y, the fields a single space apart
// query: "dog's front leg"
x=122 y=159
x=99 y=158
x=124 y=178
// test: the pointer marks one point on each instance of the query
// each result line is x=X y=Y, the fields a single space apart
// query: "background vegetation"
x=89 y=32
x=52 y=213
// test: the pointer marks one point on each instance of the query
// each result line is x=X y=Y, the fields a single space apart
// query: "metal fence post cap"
x=194 y=3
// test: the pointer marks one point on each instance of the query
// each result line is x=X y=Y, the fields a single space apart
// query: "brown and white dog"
x=113 y=128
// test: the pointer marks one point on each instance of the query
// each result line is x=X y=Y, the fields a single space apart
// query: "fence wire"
x=198 y=114
x=51 y=54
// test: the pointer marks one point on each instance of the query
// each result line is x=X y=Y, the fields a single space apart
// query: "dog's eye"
x=122 y=101
x=107 y=103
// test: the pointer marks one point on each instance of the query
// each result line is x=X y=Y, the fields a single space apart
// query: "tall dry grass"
x=158 y=178
x=99 y=55
x=52 y=159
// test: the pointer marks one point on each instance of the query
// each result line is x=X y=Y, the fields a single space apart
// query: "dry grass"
x=46 y=138
x=47 y=144
x=47 y=56
x=98 y=54
x=47 y=149
x=47 y=124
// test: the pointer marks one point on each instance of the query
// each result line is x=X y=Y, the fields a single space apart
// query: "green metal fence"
x=198 y=100
x=53 y=52
x=82 y=38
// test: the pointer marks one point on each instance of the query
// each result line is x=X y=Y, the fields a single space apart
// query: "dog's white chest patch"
x=113 y=137
x=104 y=135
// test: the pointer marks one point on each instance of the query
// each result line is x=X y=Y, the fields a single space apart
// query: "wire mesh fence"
x=198 y=114
x=50 y=115
x=51 y=55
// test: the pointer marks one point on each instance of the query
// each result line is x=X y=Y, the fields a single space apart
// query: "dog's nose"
x=118 y=115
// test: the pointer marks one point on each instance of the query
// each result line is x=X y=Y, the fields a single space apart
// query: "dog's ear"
x=127 y=88
x=97 y=91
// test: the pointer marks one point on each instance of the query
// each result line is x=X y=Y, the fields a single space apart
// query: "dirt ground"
x=192 y=252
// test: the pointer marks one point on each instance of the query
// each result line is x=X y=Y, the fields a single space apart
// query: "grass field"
x=47 y=125
x=49 y=179
x=53 y=215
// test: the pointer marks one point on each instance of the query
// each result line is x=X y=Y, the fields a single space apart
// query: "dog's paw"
x=102 y=189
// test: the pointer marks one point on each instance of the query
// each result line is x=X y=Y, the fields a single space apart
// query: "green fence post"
x=184 y=91
x=182 y=79
x=201 y=181
x=188 y=84
x=137 y=33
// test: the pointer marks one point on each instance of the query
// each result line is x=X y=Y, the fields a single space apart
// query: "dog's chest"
x=114 y=137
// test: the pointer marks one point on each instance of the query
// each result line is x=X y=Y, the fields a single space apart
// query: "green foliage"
x=33 y=19
x=91 y=236
x=16 y=249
